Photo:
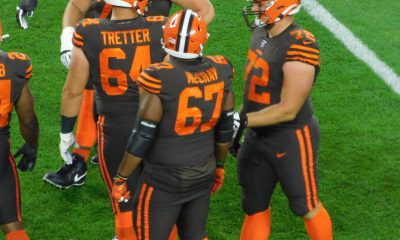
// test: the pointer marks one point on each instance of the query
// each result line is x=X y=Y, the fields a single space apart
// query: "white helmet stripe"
x=184 y=30
x=118 y=3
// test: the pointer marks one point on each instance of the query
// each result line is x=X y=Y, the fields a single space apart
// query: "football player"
x=15 y=72
x=117 y=50
x=25 y=8
x=282 y=141
x=86 y=129
x=73 y=172
x=188 y=103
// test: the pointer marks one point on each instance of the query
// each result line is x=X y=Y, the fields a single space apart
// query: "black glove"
x=239 y=124
x=28 y=159
x=25 y=8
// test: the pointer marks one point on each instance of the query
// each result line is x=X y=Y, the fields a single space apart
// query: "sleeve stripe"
x=77 y=42
x=143 y=81
x=304 y=48
x=27 y=76
x=78 y=36
x=294 y=53
x=149 y=89
x=150 y=78
x=306 y=60
x=29 y=69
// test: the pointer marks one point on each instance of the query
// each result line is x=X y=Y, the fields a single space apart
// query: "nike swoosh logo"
x=280 y=155
x=77 y=177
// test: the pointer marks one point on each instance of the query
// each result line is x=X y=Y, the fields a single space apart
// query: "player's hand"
x=66 y=141
x=239 y=124
x=66 y=46
x=28 y=159
x=218 y=180
x=119 y=190
x=25 y=8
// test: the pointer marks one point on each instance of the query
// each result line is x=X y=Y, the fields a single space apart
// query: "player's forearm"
x=220 y=153
x=70 y=103
x=207 y=14
x=29 y=129
x=270 y=116
x=128 y=164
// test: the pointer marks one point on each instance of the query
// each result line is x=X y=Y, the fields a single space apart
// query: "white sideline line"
x=354 y=44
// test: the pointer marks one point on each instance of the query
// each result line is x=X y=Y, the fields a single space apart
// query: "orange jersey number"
x=140 y=61
x=5 y=104
x=257 y=63
x=185 y=112
x=2 y=70
x=15 y=55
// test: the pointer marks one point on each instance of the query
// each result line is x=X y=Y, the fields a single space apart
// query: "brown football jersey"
x=118 y=50
x=15 y=70
x=264 y=70
x=192 y=95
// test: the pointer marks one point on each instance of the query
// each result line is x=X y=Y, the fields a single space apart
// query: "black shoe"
x=68 y=175
x=95 y=160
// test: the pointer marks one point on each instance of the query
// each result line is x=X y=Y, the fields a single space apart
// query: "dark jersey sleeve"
x=304 y=48
x=22 y=65
x=149 y=79
x=82 y=31
x=226 y=70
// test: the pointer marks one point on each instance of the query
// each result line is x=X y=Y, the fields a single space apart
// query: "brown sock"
x=257 y=226
x=17 y=235
x=320 y=226
x=124 y=226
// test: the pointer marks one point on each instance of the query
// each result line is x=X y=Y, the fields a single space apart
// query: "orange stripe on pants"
x=311 y=165
x=304 y=167
x=139 y=212
x=102 y=162
x=17 y=189
x=146 y=214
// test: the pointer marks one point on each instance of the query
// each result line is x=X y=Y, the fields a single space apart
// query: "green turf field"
x=359 y=172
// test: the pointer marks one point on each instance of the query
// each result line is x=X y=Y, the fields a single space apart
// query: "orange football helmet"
x=140 y=6
x=268 y=12
x=185 y=35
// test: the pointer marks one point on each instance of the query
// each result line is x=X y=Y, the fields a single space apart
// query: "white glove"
x=21 y=18
x=66 y=45
x=236 y=123
x=66 y=141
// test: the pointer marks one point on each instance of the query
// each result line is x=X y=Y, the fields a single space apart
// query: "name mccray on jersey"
x=192 y=94
x=264 y=70
x=117 y=51
x=15 y=71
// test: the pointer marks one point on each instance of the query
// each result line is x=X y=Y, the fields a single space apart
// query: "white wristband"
x=66 y=38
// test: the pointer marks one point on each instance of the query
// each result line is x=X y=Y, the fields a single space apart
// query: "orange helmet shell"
x=185 y=35
x=277 y=9
x=269 y=12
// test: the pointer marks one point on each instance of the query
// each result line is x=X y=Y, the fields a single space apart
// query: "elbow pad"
x=224 y=128
x=142 y=137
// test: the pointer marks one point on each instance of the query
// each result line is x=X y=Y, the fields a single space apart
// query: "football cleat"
x=68 y=175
